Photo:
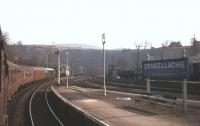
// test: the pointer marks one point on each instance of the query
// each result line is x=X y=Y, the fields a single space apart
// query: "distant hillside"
x=71 y=46
x=85 y=60
x=77 y=46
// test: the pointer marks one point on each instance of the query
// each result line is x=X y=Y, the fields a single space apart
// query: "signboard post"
x=148 y=86
x=184 y=95
x=173 y=69
x=148 y=80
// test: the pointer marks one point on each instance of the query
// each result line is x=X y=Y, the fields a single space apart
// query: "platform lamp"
x=104 y=78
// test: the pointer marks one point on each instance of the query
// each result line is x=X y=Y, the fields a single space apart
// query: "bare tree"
x=138 y=56
x=19 y=43
x=147 y=44
x=6 y=38
x=195 y=48
x=175 y=44
x=165 y=43
x=122 y=62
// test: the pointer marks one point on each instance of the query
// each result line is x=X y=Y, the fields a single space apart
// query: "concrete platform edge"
x=100 y=122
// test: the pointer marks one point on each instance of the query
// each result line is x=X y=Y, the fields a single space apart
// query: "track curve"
x=39 y=109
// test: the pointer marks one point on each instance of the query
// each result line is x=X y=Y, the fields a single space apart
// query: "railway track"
x=16 y=109
x=171 y=90
x=41 y=112
x=159 y=86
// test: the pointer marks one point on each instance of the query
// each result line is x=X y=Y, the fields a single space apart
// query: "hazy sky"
x=125 y=22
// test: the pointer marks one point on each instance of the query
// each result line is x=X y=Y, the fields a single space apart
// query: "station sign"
x=166 y=69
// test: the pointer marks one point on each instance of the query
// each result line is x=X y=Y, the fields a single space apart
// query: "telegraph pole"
x=67 y=70
x=138 y=57
x=58 y=53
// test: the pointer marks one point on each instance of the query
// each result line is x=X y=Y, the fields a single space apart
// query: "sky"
x=126 y=23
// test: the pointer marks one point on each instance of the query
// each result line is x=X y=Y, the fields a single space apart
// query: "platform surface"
x=118 y=109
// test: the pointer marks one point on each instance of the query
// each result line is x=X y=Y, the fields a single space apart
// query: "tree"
x=165 y=43
x=19 y=43
x=195 y=48
x=138 y=56
x=147 y=44
x=122 y=62
x=6 y=38
x=175 y=44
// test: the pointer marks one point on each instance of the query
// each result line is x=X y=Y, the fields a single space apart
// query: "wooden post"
x=184 y=89
x=148 y=80
x=58 y=68
x=148 y=86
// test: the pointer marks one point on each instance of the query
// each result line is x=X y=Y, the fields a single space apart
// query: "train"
x=194 y=70
x=18 y=77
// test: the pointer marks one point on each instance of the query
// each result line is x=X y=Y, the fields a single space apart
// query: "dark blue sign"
x=166 y=69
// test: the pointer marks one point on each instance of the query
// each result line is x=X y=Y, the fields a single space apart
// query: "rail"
x=51 y=109
x=30 y=105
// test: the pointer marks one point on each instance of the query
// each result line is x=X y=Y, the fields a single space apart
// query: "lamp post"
x=138 y=59
x=104 y=79
x=67 y=69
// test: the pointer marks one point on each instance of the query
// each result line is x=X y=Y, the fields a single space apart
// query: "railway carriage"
x=19 y=76
x=13 y=79
x=49 y=73
x=38 y=73
x=195 y=72
x=3 y=81
x=27 y=75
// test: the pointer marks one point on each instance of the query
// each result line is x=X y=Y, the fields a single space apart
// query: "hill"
x=89 y=61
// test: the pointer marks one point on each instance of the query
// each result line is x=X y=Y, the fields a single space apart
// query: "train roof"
x=12 y=65
x=49 y=69
x=38 y=68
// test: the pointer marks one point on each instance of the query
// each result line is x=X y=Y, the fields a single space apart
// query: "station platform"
x=121 y=109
